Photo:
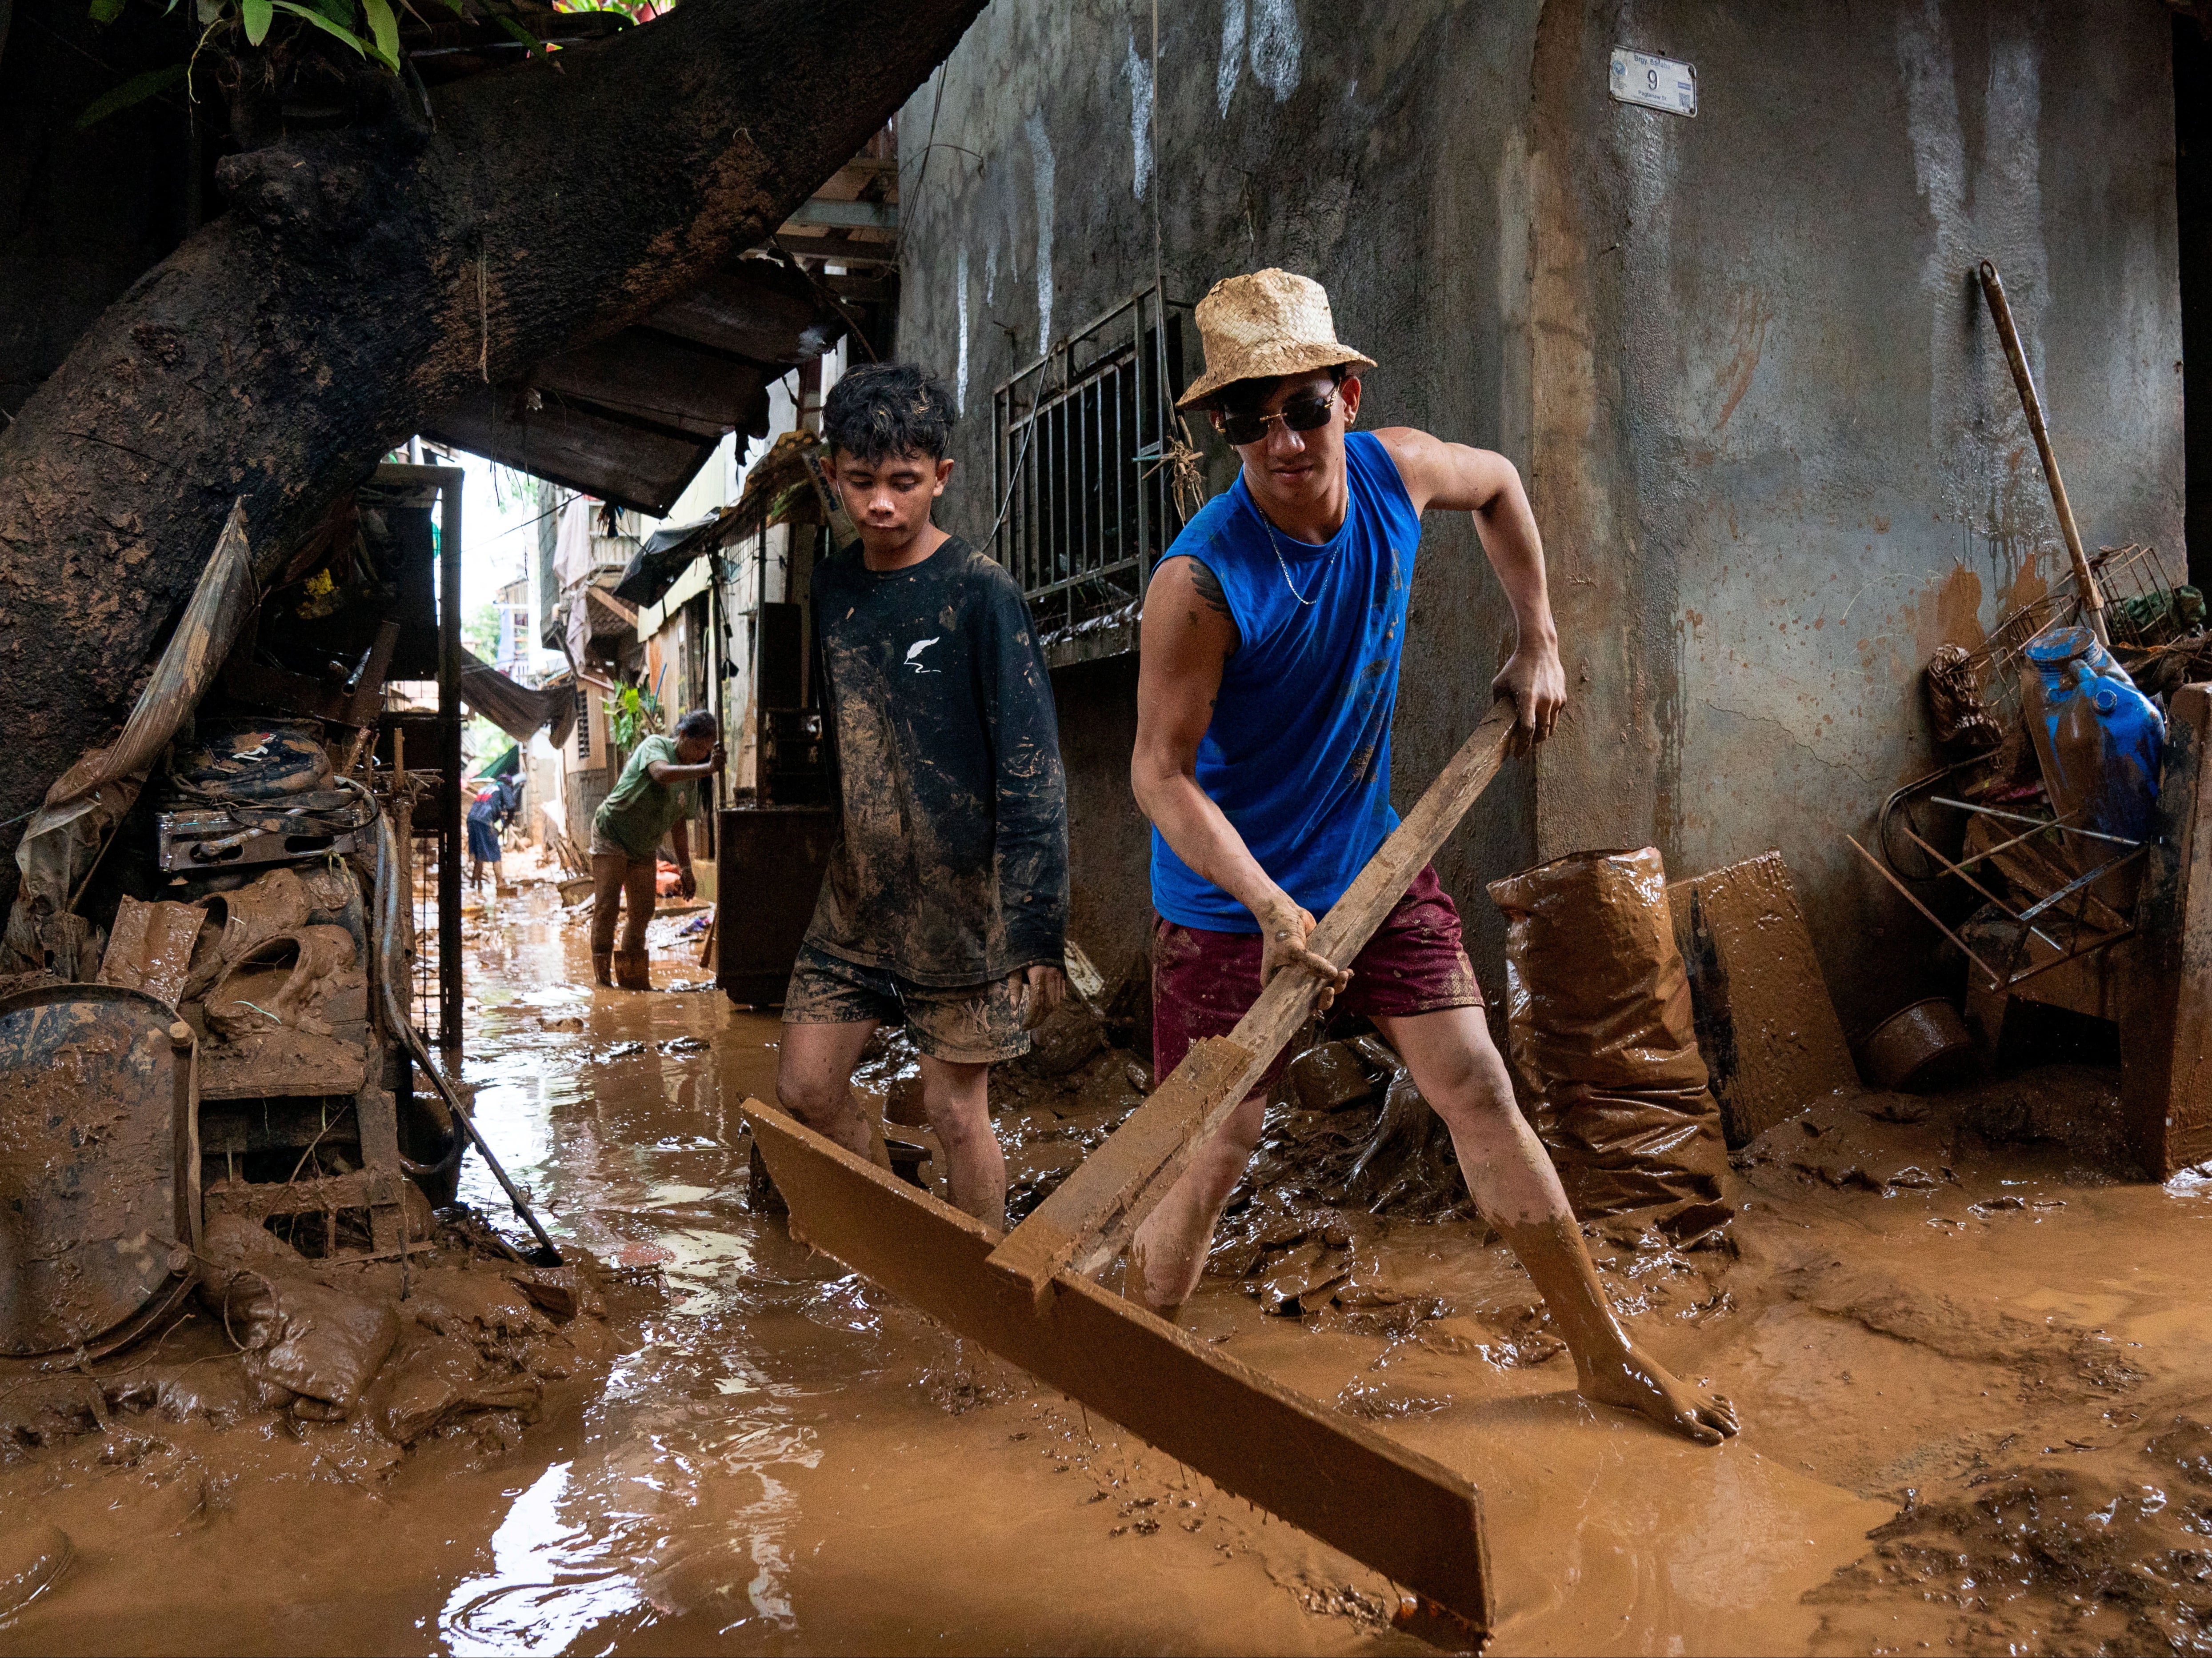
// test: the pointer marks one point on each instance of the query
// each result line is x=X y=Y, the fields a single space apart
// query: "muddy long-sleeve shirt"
x=952 y=867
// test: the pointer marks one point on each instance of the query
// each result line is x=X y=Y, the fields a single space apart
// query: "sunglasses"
x=1300 y=415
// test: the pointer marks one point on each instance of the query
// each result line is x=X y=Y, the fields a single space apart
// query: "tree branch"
x=362 y=279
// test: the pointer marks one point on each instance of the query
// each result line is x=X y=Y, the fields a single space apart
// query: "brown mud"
x=1974 y=1374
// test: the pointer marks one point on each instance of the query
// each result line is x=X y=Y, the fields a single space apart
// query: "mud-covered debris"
x=435 y=1379
x=1874 y=1141
x=1331 y=1075
x=2119 y=1555
x=309 y=1345
x=1068 y=1036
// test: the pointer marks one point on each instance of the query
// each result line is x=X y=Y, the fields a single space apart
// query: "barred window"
x=1093 y=469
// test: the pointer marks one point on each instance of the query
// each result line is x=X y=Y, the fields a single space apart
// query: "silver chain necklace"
x=1277 y=546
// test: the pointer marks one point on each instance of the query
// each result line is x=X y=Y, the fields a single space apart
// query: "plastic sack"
x=1598 y=1008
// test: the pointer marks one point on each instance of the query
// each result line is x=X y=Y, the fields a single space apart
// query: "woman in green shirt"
x=651 y=800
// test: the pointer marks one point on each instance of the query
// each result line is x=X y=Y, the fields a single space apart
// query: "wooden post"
x=449 y=732
x=2166 y=1009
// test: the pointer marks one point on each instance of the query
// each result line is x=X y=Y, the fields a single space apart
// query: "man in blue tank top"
x=1271 y=642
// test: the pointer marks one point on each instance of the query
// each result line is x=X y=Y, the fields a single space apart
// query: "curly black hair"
x=882 y=409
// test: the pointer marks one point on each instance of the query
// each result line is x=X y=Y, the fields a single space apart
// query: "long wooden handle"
x=2085 y=581
x=1103 y=1201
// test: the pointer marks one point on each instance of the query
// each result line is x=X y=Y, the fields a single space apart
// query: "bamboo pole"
x=2085 y=581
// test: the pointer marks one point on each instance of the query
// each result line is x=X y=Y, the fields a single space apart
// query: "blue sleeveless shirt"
x=1298 y=753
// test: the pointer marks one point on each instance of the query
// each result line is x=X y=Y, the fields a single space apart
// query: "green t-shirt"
x=638 y=812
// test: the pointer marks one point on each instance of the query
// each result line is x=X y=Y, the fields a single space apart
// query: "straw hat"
x=1258 y=327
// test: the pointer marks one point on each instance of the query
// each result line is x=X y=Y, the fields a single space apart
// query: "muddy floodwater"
x=1975 y=1374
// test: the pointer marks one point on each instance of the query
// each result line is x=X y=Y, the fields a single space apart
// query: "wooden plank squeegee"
x=1027 y=1295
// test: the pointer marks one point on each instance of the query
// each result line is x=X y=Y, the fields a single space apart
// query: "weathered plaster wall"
x=1767 y=432
x=1782 y=457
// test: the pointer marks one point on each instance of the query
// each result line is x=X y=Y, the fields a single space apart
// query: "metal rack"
x=2085 y=909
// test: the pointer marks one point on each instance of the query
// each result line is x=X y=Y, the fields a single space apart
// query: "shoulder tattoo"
x=1209 y=588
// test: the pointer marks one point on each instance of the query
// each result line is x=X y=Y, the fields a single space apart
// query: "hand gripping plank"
x=1090 y=1218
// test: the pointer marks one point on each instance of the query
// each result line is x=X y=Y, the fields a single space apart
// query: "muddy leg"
x=607 y=871
x=639 y=898
x=957 y=1098
x=814 y=1079
x=1168 y=1253
x=1461 y=1074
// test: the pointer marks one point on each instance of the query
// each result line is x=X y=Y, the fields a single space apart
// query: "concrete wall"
x=1766 y=429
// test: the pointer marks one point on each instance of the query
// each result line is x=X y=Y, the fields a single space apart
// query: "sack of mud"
x=308 y=1346
x=1598 y=1007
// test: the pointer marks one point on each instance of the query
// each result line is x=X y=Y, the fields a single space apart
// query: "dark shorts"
x=969 y=1024
x=483 y=842
x=1204 y=981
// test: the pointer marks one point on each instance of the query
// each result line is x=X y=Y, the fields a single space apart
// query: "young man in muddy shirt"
x=1271 y=641
x=946 y=903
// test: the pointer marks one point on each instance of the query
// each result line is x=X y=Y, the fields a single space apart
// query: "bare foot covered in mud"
x=1633 y=1382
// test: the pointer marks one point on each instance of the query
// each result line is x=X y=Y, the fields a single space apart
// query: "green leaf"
x=106 y=11
x=322 y=23
x=135 y=90
x=257 y=16
x=386 y=29
x=522 y=35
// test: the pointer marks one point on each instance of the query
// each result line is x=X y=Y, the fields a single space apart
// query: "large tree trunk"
x=361 y=279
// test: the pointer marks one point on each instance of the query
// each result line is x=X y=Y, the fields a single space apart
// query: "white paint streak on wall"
x=990 y=272
x=1232 y=53
x=1040 y=172
x=1141 y=114
x=1939 y=171
x=1973 y=418
x=1276 y=46
x=960 y=373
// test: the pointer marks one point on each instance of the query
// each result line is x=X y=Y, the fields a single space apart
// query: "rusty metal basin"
x=1925 y=1045
x=96 y=1165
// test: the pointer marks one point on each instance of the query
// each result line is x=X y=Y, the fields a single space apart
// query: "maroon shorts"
x=1204 y=981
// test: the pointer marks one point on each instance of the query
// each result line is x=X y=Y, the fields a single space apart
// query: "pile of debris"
x=459 y=1341
x=212 y=1147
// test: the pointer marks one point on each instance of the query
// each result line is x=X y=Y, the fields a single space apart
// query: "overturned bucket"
x=1598 y=1008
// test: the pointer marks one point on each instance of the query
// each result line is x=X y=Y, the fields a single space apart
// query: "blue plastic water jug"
x=2100 y=740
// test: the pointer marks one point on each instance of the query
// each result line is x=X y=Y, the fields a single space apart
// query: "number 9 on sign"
x=1662 y=83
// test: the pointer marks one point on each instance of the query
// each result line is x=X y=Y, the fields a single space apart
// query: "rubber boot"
x=602 y=967
x=633 y=969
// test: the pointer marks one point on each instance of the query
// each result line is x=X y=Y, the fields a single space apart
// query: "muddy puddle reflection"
x=785 y=1459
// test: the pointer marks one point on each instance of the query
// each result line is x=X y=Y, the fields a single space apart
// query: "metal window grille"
x=1082 y=442
x=583 y=723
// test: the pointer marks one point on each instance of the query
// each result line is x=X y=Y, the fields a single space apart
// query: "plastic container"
x=2099 y=740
